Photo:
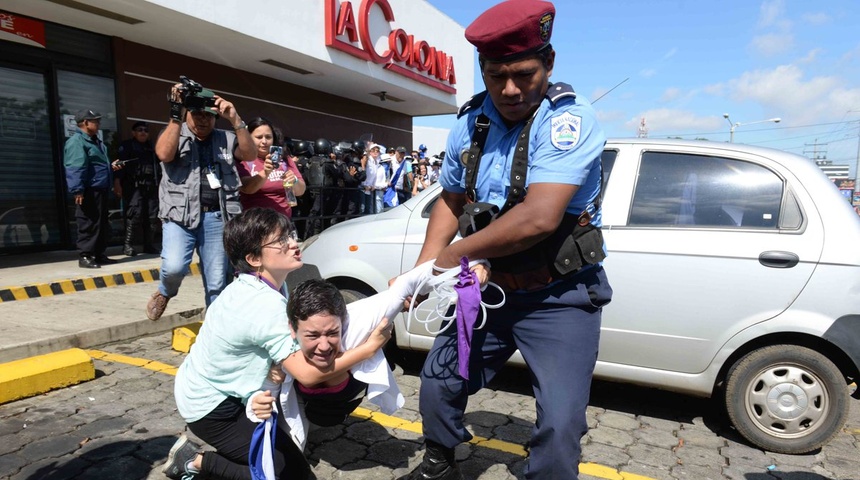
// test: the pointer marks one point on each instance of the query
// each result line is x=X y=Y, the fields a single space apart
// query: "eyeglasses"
x=288 y=241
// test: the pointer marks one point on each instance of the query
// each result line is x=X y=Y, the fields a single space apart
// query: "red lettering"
x=364 y=28
x=451 y=78
x=441 y=63
x=346 y=22
x=402 y=47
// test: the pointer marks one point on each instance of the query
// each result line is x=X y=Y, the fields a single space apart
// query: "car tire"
x=350 y=295
x=786 y=399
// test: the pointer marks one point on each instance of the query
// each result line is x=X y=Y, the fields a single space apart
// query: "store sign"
x=16 y=28
x=349 y=31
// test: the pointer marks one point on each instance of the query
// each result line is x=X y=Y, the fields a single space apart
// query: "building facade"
x=318 y=69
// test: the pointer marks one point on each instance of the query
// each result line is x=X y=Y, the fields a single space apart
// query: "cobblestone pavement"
x=121 y=425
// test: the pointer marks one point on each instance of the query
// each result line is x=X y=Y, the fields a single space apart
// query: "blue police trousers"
x=557 y=330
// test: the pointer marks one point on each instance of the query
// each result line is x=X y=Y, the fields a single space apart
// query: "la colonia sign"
x=415 y=59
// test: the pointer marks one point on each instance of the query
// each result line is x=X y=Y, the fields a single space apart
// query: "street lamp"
x=738 y=124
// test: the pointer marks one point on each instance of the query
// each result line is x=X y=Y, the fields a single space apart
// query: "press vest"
x=179 y=190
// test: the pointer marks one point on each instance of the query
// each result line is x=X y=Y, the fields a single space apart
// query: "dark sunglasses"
x=141 y=129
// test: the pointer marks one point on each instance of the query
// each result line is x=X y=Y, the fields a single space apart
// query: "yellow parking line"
x=591 y=469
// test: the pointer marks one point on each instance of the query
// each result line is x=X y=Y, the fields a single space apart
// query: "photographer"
x=199 y=191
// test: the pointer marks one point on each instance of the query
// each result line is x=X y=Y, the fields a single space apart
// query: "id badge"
x=214 y=183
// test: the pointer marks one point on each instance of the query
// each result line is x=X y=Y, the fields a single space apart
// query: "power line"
x=657 y=134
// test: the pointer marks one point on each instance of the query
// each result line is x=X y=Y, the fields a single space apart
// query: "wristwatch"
x=241 y=125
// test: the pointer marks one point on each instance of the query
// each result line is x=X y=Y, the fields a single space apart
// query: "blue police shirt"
x=565 y=146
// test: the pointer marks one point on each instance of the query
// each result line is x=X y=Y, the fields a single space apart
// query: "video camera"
x=192 y=96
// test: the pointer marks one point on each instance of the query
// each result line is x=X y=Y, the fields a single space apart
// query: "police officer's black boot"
x=438 y=464
x=148 y=236
x=128 y=249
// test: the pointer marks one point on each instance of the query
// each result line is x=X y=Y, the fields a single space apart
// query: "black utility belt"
x=210 y=208
x=574 y=244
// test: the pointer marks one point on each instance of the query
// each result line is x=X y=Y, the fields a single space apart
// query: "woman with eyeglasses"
x=245 y=331
x=267 y=179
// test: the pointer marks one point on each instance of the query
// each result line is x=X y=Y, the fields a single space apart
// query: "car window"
x=608 y=161
x=702 y=191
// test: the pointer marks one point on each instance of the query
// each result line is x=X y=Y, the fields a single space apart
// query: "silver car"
x=736 y=273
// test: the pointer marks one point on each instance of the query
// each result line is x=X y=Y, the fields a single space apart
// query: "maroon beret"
x=512 y=29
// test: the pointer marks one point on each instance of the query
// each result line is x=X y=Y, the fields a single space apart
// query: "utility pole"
x=815 y=155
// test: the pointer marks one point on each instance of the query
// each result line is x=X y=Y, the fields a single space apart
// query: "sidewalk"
x=84 y=307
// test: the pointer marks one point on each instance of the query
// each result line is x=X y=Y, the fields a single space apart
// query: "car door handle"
x=778 y=259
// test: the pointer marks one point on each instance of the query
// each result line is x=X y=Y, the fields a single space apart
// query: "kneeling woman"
x=245 y=330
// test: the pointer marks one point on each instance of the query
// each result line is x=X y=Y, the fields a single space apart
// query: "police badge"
x=564 y=131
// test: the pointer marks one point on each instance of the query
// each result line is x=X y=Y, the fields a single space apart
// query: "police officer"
x=321 y=179
x=553 y=301
x=351 y=174
x=304 y=151
x=137 y=178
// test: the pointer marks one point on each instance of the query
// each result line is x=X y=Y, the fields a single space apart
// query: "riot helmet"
x=358 y=147
x=304 y=148
x=322 y=147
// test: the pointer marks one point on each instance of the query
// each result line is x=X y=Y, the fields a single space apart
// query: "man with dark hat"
x=537 y=220
x=137 y=173
x=199 y=191
x=88 y=178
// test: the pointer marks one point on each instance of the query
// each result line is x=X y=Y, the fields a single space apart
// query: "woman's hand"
x=276 y=373
x=290 y=177
x=380 y=335
x=261 y=405
x=267 y=167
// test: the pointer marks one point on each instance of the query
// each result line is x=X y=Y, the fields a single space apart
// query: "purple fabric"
x=468 y=302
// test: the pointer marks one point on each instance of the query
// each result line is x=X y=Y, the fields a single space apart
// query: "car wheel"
x=350 y=296
x=786 y=399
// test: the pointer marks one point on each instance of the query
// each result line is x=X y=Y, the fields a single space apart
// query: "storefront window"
x=28 y=203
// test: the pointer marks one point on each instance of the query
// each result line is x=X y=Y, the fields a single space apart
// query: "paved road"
x=122 y=424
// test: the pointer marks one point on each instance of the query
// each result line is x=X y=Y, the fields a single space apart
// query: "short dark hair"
x=543 y=55
x=246 y=233
x=259 y=122
x=313 y=297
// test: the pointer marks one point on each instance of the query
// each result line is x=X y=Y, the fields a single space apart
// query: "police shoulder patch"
x=564 y=130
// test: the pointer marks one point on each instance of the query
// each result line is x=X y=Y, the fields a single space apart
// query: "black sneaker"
x=438 y=464
x=88 y=262
x=183 y=451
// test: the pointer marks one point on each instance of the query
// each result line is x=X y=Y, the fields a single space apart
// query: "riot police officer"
x=321 y=178
x=137 y=177
x=304 y=151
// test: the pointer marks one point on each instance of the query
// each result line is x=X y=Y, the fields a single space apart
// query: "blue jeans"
x=557 y=330
x=178 y=244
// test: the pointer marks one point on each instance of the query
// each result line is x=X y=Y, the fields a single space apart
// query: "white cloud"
x=665 y=121
x=770 y=12
x=783 y=91
x=648 y=72
x=819 y=18
x=811 y=55
x=770 y=44
x=670 y=94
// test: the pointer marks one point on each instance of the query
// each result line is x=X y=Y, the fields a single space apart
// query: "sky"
x=682 y=65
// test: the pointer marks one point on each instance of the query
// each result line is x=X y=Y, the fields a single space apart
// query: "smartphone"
x=276 y=153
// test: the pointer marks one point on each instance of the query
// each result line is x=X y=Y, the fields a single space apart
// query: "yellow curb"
x=31 y=376
x=185 y=336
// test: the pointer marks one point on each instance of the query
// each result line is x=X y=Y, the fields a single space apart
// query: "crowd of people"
x=270 y=358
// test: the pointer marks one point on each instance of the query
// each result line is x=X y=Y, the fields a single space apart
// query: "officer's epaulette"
x=473 y=102
x=559 y=90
